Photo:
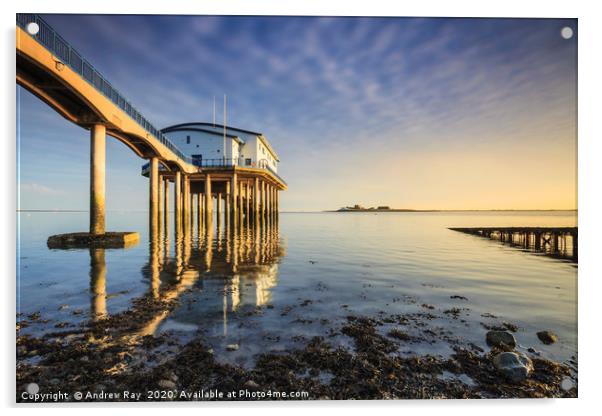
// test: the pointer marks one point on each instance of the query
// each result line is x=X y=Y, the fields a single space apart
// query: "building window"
x=217 y=150
x=248 y=162
x=187 y=139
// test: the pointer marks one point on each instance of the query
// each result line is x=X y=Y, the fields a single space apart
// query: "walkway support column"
x=154 y=191
x=234 y=190
x=256 y=199
x=199 y=210
x=166 y=205
x=186 y=184
x=177 y=202
x=219 y=207
x=208 y=199
x=227 y=203
x=263 y=210
x=240 y=200
x=247 y=199
x=98 y=148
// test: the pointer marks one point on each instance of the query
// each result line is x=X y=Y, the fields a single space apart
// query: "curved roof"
x=185 y=128
x=221 y=126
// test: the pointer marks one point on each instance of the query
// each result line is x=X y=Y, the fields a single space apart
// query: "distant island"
x=382 y=208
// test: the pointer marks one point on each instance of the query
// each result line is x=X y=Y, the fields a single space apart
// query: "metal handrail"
x=273 y=172
x=217 y=162
x=52 y=41
x=209 y=163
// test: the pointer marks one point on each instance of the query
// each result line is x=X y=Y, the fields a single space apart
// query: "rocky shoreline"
x=114 y=354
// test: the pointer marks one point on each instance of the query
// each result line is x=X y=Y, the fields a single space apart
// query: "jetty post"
x=208 y=200
x=255 y=198
x=177 y=202
x=166 y=205
x=234 y=197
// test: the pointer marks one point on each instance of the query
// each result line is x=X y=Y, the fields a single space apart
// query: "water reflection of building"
x=228 y=267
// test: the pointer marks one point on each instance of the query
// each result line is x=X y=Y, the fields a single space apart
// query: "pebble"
x=232 y=347
x=251 y=385
x=167 y=384
x=514 y=365
x=547 y=337
x=500 y=339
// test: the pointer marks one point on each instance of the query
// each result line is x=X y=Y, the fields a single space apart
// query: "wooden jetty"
x=561 y=242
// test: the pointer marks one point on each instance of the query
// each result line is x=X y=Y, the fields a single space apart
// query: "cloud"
x=39 y=189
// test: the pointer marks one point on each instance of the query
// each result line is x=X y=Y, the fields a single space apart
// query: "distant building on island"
x=379 y=208
x=358 y=207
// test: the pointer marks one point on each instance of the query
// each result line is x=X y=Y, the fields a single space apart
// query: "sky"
x=422 y=113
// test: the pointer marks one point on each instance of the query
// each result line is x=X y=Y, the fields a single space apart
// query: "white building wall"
x=211 y=147
x=206 y=144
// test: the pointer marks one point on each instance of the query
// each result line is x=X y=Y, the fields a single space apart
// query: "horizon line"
x=399 y=210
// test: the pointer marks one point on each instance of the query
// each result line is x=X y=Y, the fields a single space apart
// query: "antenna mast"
x=225 y=121
x=214 y=111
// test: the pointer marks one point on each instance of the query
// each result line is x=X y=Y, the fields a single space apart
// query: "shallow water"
x=272 y=288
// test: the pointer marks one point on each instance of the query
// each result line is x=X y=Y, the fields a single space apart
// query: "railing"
x=273 y=172
x=52 y=41
x=147 y=166
x=210 y=163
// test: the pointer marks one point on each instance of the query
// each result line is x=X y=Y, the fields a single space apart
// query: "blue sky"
x=408 y=112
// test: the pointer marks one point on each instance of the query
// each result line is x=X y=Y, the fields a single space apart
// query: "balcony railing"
x=52 y=41
x=211 y=163
x=214 y=163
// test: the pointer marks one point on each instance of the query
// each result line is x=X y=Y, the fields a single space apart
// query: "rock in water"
x=167 y=384
x=547 y=337
x=232 y=347
x=514 y=365
x=502 y=339
x=251 y=385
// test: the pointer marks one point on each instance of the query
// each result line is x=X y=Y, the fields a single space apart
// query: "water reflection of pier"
x=559 y=242
x=234 y=264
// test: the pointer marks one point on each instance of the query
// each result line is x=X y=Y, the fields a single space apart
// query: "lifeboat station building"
x=237 y=174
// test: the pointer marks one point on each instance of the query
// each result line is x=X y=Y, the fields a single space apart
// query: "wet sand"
x=113 y=355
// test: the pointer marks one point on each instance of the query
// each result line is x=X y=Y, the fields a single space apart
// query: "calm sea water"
x=273 y=288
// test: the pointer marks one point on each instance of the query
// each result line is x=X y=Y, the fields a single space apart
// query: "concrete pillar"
x=177 y=202
x=199 y=210
x=160 y=199
x=234 y=190
x=208 y=199
x=247 y=198
x=263 y=208
x=98 y=149
x=186 y=204
x=227 y=202
x=166 y=205
x=241 y=199
x=219 y=206
x=256 y=198
x=154 y=193
x=268 y=201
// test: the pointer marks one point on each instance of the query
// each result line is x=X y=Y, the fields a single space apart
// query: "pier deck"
x=561 y=242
